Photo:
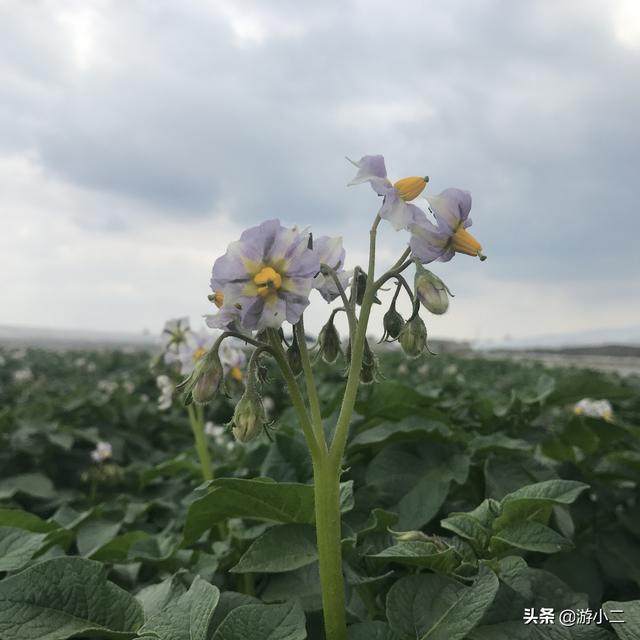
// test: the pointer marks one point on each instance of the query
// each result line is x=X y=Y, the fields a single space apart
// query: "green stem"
x=312 y=392
x=328 y=535
x=294 y=391
x=196 y=418
x=336 y=450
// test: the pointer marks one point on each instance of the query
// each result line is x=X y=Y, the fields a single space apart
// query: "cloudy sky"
x=139 y=137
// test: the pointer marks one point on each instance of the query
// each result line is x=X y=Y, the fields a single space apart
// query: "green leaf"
x=498 y=442
x=435 y=607
x=17 y=547
x=95 y=534
x=35 y=485
x=422 y=553
x=117 y=549
x=155 y=597
x=467 y=527
x=281 y=548
x=263 y=622
x=371 y=631
x=411 y=428
x=301 y=584
x=530 y=536
x=414 y=481
x=282 y=502
x=392 y=401
x=630 y=629
x=230 y=600
x=186 y=618
x=535 y=501
x=65 y=597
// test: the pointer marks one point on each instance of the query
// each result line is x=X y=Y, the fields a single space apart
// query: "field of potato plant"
x=471 y=492
x=355 y=493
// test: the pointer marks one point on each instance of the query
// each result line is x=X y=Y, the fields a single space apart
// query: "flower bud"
x=293 y=356
x=410 y=188
x=360 y=285
x=369 y=370
x=203 y=383
x=431 y=291
x=249 y=417
x=392 y=323
x=413 y=337
x=329 y=342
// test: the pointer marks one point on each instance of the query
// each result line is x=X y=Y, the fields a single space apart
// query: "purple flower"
x=265 y=278
x=331 y=253
x=449 y=235
x=193 y=349
x=395 y=206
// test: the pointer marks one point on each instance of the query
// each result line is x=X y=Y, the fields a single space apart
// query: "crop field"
x=476 y=503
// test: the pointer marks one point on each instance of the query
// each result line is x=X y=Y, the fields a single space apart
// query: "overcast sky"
x=139 y=137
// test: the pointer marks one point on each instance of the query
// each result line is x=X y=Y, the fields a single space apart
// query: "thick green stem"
x=328 y=534
x=196 y=418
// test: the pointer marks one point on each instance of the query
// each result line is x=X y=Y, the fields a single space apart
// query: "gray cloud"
x=191 y=109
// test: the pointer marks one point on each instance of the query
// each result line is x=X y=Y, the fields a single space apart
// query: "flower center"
x=236 y=374
x=198 y=353
x=267 y=280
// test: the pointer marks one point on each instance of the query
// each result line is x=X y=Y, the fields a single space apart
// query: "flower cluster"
x=266 y=277
x=102 y=452
x=429 y=241
x=594 y=409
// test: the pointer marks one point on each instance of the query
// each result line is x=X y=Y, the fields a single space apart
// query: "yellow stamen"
x=268 y=280
x=199 y=353
x=236 y=374
x=410 y=188
x=218 y=299
x=463 y=242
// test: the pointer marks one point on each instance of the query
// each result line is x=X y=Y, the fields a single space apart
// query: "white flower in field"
x=2 y=361
x=269 y=405
x=129 y=386
x=91 y=367
x=80 y=362
x=594 y=409
x=217 y=432
x=450 y=370
x=102 y=452
x=166 y=392
x=107 y=386
x=23 y=375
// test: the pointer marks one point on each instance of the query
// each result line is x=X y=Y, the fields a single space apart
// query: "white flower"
x=91 y=367
x=107 y=386
x=166 y=392
x=594 y=409
x=102 y=452
x=217 y=432
x=80 y=362
x=23 y=375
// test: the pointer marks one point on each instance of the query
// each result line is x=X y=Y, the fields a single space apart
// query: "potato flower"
x=449 y=235
x=395 y=206
x=331 y=253
x=594 y=409
x=102 y=452
x=265 y=278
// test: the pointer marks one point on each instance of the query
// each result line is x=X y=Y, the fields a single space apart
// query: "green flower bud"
x=204 y=382
x=413 y=337
x=431 y=291
x=360 y=285
x=249 y=417
x=293 y=356
x=369 y=372
x=392 y=323
x=329 y=342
